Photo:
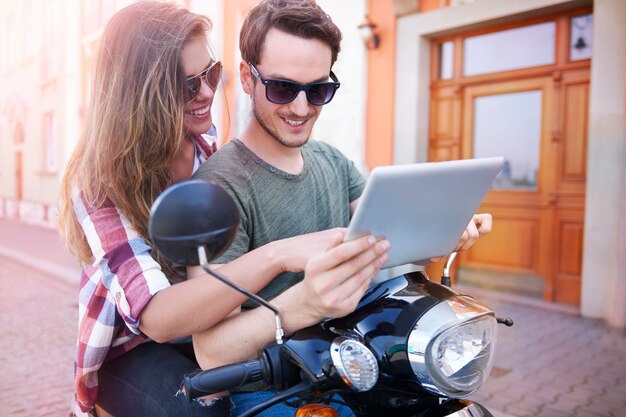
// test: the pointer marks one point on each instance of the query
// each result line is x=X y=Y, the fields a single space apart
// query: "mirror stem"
x=205 y=265
x=445 y=278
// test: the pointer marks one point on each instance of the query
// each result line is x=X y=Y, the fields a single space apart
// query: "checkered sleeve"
x=125 y=267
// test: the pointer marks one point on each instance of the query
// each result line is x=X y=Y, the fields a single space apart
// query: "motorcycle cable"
x=202 y=256
x=327 y=398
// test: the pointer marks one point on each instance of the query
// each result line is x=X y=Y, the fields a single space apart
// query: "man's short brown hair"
x=301 y=18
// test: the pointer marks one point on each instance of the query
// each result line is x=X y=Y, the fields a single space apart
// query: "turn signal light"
x=316 y=410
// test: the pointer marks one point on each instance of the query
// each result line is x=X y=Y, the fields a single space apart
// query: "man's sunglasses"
x=283 y=91
x=211 y=75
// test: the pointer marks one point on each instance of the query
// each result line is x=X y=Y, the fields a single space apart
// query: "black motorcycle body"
x=412 y=347
x=303 y=366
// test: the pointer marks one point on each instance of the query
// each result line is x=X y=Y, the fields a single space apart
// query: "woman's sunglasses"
x=211 y=75
x=283 y=91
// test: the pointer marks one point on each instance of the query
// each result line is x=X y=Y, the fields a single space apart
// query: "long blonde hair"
x=134 y=125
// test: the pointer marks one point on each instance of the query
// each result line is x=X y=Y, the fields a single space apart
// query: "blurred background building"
x=540 y=82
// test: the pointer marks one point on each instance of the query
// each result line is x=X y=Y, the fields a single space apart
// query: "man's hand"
x=334 y=281
x=295 y=252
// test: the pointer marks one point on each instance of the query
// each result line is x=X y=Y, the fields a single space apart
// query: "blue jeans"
x=246 y=400
x=145 y=382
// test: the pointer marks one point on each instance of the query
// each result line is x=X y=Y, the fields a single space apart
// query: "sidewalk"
x=40 y=249
x=38 y=312
x=549 y=364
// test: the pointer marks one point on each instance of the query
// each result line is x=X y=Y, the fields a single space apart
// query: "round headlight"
x=460 y=358
x=452 y=347
x=355 y=363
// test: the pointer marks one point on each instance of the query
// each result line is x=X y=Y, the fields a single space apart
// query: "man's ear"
x=246 y=77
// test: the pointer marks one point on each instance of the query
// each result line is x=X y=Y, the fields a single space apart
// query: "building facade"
x=44 y=90
x=523 y=79
x=39 y=101
x=435 y=80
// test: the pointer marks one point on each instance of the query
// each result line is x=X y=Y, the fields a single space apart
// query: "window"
x=91 y=16
x=29 y=24
x=50 y=146
x=581 y=29
x=511 y=49
x=446 y=59
x=50 y=43
x=11 y=39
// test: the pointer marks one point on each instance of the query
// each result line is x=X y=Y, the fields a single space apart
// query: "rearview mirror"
x=189 y=215
x=194 y=222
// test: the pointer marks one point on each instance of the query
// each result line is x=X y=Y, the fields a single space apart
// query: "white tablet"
x=422 y=209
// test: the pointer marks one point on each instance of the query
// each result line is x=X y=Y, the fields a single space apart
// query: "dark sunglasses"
x=211 y=75
x=283 y=91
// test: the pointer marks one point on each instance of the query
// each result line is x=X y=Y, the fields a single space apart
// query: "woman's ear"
x=246 y=77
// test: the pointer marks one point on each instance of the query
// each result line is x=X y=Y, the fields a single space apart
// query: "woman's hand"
x=479 y=226
x=295 y=252
x=334 y=281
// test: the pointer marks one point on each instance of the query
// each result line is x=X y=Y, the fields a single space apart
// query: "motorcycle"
x=412 y=347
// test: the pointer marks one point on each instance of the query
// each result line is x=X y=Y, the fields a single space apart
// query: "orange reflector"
x=317 y=410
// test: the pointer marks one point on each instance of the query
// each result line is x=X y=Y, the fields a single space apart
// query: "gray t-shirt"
x=275 y=205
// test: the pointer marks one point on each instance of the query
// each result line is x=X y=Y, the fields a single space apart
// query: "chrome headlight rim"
x=451 y=313
x=337 y=347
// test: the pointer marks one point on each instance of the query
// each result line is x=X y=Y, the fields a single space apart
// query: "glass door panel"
x=509 y=125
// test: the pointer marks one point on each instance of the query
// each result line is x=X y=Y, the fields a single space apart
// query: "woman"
x=150 y=107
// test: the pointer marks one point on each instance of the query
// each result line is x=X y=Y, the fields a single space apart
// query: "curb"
x=64 y=274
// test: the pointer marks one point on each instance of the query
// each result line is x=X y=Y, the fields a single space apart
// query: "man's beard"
x=272 y=132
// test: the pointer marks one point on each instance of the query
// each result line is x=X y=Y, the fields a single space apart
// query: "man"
x=285 y=184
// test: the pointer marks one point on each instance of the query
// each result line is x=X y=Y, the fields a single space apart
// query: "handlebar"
x=225 y=378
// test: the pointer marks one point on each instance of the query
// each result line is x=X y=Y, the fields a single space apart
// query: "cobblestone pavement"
x=548 y=364
x=555 y=365
x=38 y=327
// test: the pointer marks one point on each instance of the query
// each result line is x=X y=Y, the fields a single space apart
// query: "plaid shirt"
x=114 y=289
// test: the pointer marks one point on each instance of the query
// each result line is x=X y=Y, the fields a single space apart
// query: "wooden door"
x=531 y=107
x=535 y=247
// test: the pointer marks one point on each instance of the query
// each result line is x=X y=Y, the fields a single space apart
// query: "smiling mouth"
x=199 y=112
x=295 y=123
